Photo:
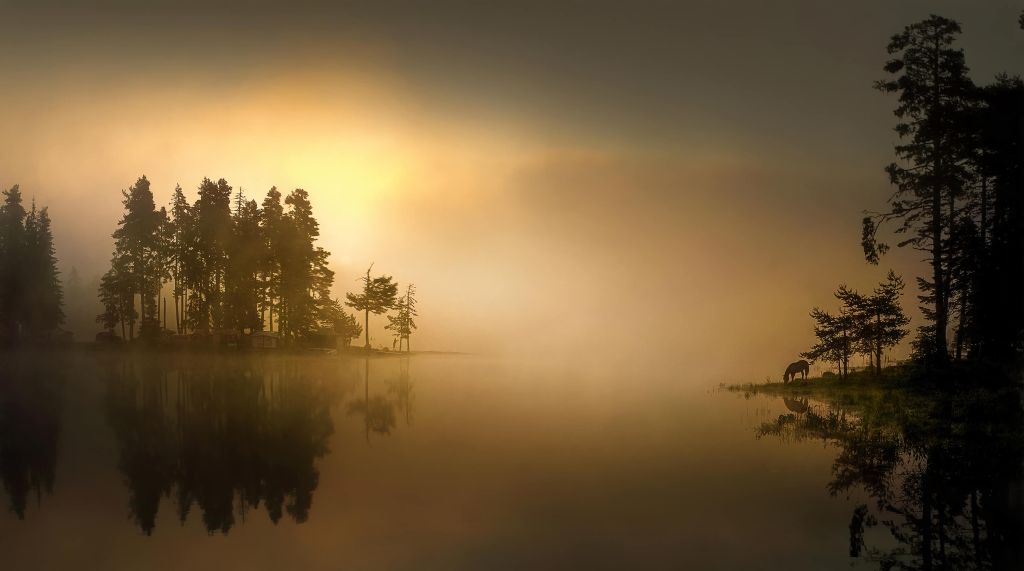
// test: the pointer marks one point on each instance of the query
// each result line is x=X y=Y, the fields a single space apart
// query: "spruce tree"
x=12 y=249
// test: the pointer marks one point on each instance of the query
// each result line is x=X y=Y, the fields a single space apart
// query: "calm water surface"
x=432 y=462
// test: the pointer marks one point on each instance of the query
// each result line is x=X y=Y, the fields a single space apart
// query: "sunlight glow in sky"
x=634 y=187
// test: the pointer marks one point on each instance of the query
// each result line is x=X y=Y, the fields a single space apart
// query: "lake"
x=128 y=461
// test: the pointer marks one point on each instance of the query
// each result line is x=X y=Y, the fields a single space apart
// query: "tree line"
x=230 y=264
x=958 y=199
x=959 y=195
x=30 y=290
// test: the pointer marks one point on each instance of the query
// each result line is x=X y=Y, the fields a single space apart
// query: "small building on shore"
x=264 y=340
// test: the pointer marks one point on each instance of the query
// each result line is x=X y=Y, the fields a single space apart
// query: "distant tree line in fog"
x=958 y=198
x=228 y=265
x=30 y=288
x=232 y=265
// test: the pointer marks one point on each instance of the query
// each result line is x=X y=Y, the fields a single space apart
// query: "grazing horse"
x=800 y=366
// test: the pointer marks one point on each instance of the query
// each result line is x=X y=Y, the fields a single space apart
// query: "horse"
x=800 y=366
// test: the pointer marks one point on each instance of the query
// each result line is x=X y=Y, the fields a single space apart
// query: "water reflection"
x=379 y=412
x=943 y=475
x=224 y=436
x=31 y=399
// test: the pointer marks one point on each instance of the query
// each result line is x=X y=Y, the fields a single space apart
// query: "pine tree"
x=245 y=251
x=213 y=224
x=43 y=311
x=271 y=227
x=305 y=280
x=137 y=250
x=883 y=324
x=31 y=294
x=377 y=297
x=183 y=256
x=343 y=324
x=996 y=312
x=935 y=99
x=837 y=334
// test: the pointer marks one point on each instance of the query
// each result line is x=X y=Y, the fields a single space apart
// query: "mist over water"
x=523 y=285
x=540 y=206
x=434 y=462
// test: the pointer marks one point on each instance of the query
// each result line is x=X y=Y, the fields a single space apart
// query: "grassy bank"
x=898 y=378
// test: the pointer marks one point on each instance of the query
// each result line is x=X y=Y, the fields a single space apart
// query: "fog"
x=641 y=192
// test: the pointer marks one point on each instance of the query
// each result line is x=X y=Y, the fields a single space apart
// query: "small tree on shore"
x=835 y=340
x=343 y=324
x=884 y=322
x=377 y=297
x=403 y=324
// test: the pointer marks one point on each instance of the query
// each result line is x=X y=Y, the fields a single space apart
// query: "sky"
x=622 y=182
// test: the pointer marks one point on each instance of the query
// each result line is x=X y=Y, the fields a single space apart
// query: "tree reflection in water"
x=379 y=411
x=223 y=435
x=944 y=475
x=31 y=399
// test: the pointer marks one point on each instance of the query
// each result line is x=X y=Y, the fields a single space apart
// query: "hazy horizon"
x=679 y=184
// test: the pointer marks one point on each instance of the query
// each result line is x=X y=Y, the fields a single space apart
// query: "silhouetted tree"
x=137 y=250
x=935 y=97
x=343 y=324
x=837 y=334
x=43 y=290
x=996 y=277
x=882 y=320
x=244 y=257
x=378 y=296
x=117 y=299
x=230 y=269
x=185 y=260
x=12 y=254
x=213 y=218
x=272 y=227
x=31 y=295
x=403 y=324
x=305 y=278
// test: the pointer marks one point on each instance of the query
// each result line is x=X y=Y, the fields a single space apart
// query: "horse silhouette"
x=800 y=366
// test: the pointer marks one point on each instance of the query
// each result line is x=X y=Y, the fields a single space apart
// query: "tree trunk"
x=984 y=209
x=941 y=316
x=960 y=329
x=938 y=277
x=367 y=326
